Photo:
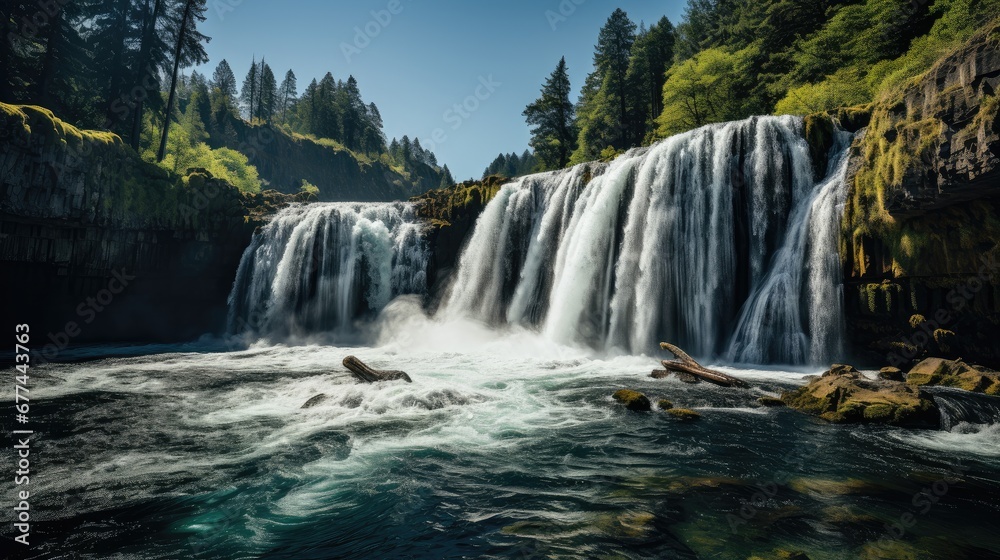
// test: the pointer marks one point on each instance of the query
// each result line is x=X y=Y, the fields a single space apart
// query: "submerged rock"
x=771 y=401
x=664 y=404
x=633 y=400
x=683 y=414
x=843 y=395
x=956 y=374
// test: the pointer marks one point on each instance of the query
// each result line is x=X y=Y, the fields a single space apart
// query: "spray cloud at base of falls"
x=720 y=240
x=319 y=268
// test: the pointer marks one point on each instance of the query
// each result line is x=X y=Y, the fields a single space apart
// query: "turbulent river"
x=508 y=444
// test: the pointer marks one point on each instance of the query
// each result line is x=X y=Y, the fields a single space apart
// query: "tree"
x=614 y=51
x=224 y=81
x=551 y=116
x=652 y=55
x=700 y=91
x=153 y=53
x=251 y=86
x=287 y=95
x=189 y=48
x=446 y=179
x=268 y=93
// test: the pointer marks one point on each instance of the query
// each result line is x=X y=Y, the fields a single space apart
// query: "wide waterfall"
x=720 y=240
x=318 y=268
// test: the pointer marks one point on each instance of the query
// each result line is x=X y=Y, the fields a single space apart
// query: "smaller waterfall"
x=318 y=268
x=796 y=313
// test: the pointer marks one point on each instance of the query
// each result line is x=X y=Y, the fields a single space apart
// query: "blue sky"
x=418 y=63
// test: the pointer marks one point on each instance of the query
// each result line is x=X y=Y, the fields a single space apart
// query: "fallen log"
x=368 y=375
x=686 y=365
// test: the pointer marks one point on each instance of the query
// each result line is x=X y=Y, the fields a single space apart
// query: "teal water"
x=504 y=446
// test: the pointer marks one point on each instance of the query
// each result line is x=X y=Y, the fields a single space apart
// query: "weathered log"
x=368 y=375
x=684 y=364
x=685 y=377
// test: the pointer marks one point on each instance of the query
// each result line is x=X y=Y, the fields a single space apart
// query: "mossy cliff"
x=284 y=160
x=451 y=215
x=79 y=207
x=921 y=228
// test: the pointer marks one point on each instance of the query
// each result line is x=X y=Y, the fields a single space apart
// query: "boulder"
x=633 y=400
x=683 y=414
x=844 y=395
x=664 y=404
x=956 y=374
x=315 y=400
x=771 y=402
x=891 y=374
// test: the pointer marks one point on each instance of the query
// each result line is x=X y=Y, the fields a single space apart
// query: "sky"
x=417 y=60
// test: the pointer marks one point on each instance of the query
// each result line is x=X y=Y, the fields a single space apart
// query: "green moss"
x=633 y=400
x=879 y=413
x=684 y=414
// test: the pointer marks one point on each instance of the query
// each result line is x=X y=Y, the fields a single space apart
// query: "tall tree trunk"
x=144 y=63
x=162 y=153
x=52 y=45
x=116 y=79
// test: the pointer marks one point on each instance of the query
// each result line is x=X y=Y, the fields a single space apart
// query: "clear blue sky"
x=427 y=58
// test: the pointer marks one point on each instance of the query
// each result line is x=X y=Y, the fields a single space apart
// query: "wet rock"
x=313 y=401
x=633 y=400
x=683 y=414
x=891 y=374
x=664 y=404
x=660 y=374
x=843 y=395
x=956 y=374
x=772 y=402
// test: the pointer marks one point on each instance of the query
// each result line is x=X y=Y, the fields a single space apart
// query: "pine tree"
x=189 y=49
x=268 y=93
x=287 y=95
x=614 y=51
x=224 y=81
x=652 y=55
x=446 y=179
x=251 y=85
x=553 y=134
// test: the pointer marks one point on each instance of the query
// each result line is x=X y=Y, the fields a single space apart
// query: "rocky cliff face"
x=921 y=231
x=97 y=245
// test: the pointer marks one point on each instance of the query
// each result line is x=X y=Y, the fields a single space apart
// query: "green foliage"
x=700 y=91
x=309 y=189
x=845 y=88
x=551 y=116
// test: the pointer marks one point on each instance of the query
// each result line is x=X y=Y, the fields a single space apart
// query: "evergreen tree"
x=189 y=49
x=614 y=51
x=553 y=133
x=287 y=95
x=652 y=55
x=224 y=81
x=268 y=93
x=446 y=179
x=251 y=87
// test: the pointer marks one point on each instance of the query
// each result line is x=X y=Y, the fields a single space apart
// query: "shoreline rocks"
x=843 y=395
x=938 y=372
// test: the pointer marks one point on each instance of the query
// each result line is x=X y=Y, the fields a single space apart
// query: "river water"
x=506 y=445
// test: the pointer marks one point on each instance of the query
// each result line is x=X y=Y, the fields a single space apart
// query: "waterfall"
x=719 y=240
x=318 y=268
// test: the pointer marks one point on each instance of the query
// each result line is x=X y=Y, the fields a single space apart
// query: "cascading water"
x=670 y=243
x=317 y=268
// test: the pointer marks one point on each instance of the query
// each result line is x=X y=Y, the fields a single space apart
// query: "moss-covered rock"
x=844 y=395
x=771 y=402
x=664 y=404
x=891 y=374
x=684 y=414
x=956 y=374
x=633 y=400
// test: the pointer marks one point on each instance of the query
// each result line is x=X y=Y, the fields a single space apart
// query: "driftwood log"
x=685 y=365
x=368 y=375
